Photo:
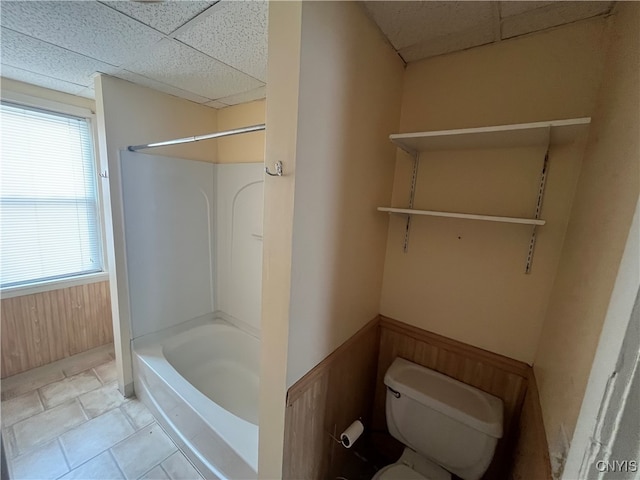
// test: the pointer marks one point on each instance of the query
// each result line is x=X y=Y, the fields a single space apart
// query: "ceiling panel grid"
x=215 y=53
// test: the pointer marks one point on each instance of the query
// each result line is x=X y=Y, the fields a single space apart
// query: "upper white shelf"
x=552 y=132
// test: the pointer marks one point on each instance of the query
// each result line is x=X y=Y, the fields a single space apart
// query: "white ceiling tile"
x=159 y=86
x=234 y=32
x=409 y=23
x=163 y=16
x=552 y=15
x=474 y=37
x=88 y=92
x=30 y=54
x=245 y=97
x=510 y=8
x=216 y=104
x=175 y=64
x=41 y=80
x=89 y=28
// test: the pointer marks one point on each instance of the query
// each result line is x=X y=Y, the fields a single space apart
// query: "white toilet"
x=446 y=426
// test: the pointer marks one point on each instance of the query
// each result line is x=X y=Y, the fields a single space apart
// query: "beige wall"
x=328 y=126
x=245 y=148
x=128 y=114
x=283 y=69
x=605 y=199
x=465 y=279
x=350 y=88
x=136 y=115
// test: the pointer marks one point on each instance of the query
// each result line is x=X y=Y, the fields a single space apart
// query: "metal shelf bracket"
x=412 y=194
x=543 y=180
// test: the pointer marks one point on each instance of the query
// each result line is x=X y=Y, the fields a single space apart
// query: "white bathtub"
x=200 y=380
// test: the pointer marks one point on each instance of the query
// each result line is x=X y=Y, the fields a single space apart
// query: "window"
x=49 y=223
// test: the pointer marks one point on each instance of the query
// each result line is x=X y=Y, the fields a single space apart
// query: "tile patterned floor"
x=68 y=421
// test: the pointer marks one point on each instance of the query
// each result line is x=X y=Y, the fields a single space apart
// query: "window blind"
x=48 y=203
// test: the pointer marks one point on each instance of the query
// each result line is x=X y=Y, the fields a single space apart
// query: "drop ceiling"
x=420 y=30
x=212 y=53
x=215 y=53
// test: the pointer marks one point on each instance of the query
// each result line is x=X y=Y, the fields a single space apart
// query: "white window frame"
x=56 y=284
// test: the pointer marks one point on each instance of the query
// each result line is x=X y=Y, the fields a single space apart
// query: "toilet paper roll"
x=351 y=434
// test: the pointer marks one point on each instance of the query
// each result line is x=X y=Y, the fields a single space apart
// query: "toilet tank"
x=453 y=424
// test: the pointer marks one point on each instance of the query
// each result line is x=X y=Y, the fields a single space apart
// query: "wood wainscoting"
x=349 y=384
x=41 y=328
x=531 y=451
x=325 y=401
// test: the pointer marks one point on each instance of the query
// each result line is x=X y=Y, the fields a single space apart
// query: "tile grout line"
x=163 y=469
x=129 y=419
x=36 y=388
x=93 y=369
x=113 y=457
x=82 y=410
x=36 y=446
x=11 y=439
x=159 y=464
x=64 y=455
x=41 y=398
x=83 y=463
x=101 y=451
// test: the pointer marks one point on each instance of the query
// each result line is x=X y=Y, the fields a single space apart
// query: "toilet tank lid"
x=452 y=398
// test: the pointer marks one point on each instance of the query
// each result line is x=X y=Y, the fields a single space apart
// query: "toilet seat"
x=412 y=466
x=398 y=471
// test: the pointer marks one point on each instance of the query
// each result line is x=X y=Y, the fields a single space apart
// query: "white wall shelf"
x=543 y=134
x=554 y=132
x=469 y=216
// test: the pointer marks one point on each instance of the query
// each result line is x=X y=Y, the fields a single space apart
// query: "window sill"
x=20 y=290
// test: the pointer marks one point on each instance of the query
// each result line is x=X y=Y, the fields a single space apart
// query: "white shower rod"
x=197 y=138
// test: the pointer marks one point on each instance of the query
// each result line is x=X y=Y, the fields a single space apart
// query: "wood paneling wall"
x=325 y=401
x=44 y=327
x=349 y=384
x=531 y=452
x=500 y=376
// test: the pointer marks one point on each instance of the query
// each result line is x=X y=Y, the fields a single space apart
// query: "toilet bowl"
x=447 y=427
x=412 y=466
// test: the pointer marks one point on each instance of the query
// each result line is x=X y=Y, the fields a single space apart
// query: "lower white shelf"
x=469 y=216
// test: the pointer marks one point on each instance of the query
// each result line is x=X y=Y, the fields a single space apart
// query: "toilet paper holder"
x=351 y=434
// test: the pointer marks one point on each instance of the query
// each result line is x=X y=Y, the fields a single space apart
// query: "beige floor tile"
x=102 y=467
x=49 y=424
x=99 y=401
x=19 y=408
x=86 y=360
x=44 y=463
x=179 y=468
x=28 y=381
x=141 y=451
x=107 y=372
x=95 y=436
x=138 y=413
x=59 y=392
x=156 y=473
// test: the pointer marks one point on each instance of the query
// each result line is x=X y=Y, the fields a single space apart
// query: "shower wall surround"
x=238 y=239
x=193 y=241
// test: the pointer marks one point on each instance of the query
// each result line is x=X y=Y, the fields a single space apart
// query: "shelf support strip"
x=543 y=180
x=412 y=194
